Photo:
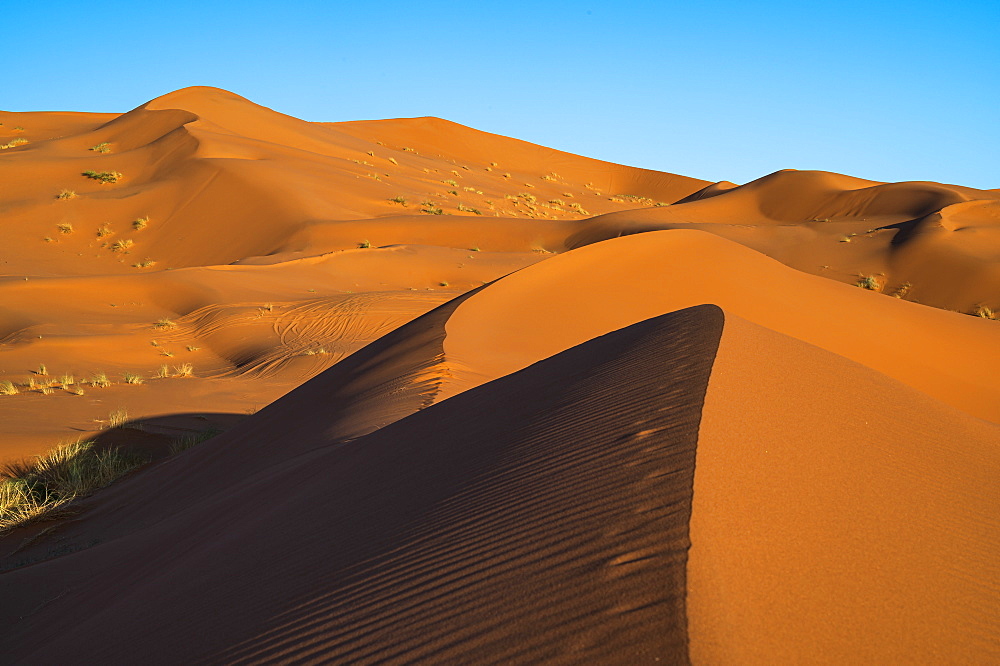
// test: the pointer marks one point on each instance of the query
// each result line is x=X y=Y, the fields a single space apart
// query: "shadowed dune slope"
x=541 y=517
x=572 y=297
x=838 y=516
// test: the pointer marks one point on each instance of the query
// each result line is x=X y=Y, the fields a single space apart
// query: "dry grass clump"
x=140 y=223
x=430 y=208
x=870 y=282
x=103 y=147
x=469 y=209
x=100 y=380
x=123 y=245
x=132 y=378
x=398 y=199
x=184 y=370
x=13 y=143
x=36 y=490
x=8 y=388
x=145 y=263
x=103 y=177
x=104 y=230
x=66 y=195
x=165 y=324
x=65 y=228
x=187 y=441
x=393 y=160
x=364 y=245
x=163 y=372
x=986 y=312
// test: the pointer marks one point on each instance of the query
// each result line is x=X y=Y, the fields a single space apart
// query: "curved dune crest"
x=409 y=391
x=602 y=287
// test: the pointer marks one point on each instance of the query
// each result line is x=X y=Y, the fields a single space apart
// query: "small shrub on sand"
x=393 y=160
x=398 y=199
x=66 y=195
x=184 y=370
x=67 y=380
x=65 y=228
x=8 y=388
x=140 y=223
x=123 y=245
x=117 y=418
x=443 y=283
x=132 y=378
x=431 y=209
x=42 y=370
x=103 y=177
x=986 y=312
x=103 y=147
x=469 y=209
x=36 y=490
x=145 y=263
x=870 y=282
x=192 y=348
x=100 y=380
x=364 y=245
x=13 y=143
x=450 y=182
x=187 y=441
x=104 y=230
x=163 y=372
x=165 y=324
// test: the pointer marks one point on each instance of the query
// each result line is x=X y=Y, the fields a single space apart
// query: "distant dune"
x=402 y=390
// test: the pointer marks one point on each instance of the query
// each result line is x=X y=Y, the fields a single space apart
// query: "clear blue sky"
x=720 y=91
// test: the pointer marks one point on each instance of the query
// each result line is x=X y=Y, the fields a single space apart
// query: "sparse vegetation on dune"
x=165 y=324
x=364 y=245
x=132 y=378
x=870 y=282
x=65 y=228
x=103 y=177
x=13 y=143
x=100 y=380
x=140 y=223
x=104 y=230
x=39 y=489
x=122 y=246
x=145 y=263
x=103 y=147
x=66 y=195
x=398 y=199
x=8 y=388
x=986 y=312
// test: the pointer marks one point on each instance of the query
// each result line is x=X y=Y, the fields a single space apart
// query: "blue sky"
x=720 y=91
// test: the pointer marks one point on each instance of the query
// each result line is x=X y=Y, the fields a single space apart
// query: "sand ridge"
x=467 y=398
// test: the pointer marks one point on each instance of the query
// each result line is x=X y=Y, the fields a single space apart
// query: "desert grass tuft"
x=104 y=230
x=132 y=378
x=184 y=370
x=145 y=263
x=869 y=282
x=8 y=388
x=163 y=372
x=123 y=245
x=364 y=245
x=103 y=147
x=13 y=143
x=66 y=194
x=187 y=441
x=103 y=177
x=100 y=380
x=398 y=199
x=986 y=312
x=140 y=223
x=39 y=489
x=65 y=228
x=165 y=324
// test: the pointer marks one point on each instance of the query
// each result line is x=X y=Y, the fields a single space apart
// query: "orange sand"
x=488 y=402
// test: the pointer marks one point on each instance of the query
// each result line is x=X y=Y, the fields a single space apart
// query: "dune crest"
x=402 y=390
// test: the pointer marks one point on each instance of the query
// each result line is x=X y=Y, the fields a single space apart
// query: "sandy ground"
x=484 y=401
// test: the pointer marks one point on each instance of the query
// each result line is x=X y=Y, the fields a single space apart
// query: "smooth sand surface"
x=483 y=401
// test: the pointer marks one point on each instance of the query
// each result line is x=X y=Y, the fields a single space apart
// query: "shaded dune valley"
x=401 y=391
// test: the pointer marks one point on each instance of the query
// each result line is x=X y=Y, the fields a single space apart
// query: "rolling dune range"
x=482 y=400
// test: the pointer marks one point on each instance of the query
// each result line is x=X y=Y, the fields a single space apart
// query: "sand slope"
x=484 y=401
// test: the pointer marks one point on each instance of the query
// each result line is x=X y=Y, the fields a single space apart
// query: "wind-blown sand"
x=586 y=413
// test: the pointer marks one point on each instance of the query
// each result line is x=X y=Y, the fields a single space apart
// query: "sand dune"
x=485 y=401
